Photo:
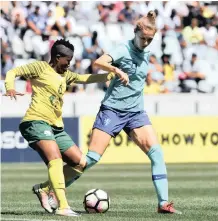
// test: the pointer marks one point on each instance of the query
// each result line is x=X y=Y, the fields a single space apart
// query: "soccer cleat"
x=43 y=198
x=168 y=208
x=66 y=212
x=52 y=200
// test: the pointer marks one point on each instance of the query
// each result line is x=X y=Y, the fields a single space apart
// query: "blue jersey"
x=135 y=63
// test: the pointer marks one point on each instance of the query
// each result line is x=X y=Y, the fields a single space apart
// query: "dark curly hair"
x=64 y=42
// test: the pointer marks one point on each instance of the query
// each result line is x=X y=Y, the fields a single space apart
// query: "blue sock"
x=92 y=158
x=159 y=173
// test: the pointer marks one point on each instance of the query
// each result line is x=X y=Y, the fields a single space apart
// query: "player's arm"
x=89 y=78
x=104 y=63
x=28 y=71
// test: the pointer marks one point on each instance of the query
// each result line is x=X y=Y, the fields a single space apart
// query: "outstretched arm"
x=32 y=70
x=104 y=63
x=89 y=78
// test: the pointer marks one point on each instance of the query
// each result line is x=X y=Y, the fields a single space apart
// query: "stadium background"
x=180 y=96
x=182 y=85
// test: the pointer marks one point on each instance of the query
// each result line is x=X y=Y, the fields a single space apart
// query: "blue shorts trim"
x=112 y=121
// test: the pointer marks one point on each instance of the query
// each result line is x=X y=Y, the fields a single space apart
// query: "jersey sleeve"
x=118 y=53
x=32 y=70
x=88 y=78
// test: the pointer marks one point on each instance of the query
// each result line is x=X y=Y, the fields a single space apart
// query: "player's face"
x=144 y=37
x=63 y=64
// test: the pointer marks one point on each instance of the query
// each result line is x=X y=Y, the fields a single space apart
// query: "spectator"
x=103 y=13
x=168 y=69
x=36 y=22
x=77 y=68
x=92 y=69
x=28 y=29
x=209 y=33
x=192 y=34
x=192 y=69
x=152 y=87
x=92 y=46
x=169 y=75
x=127 y=14
x=7 y=64
x=155 y=69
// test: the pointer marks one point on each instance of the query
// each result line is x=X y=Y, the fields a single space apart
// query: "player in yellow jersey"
x=42 y=125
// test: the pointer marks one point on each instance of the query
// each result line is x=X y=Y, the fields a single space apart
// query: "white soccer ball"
x=96 y=201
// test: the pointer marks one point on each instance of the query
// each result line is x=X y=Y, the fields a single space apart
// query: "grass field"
x=193 y=188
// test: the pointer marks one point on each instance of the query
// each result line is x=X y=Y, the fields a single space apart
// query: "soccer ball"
x=96 y=201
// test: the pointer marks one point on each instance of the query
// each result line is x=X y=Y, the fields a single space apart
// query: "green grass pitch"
x=193 y=188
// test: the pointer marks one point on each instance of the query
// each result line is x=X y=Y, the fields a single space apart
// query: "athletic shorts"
x=113 y=121
x=37 y=130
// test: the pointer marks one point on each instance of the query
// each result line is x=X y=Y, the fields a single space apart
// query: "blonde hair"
x=151 y=17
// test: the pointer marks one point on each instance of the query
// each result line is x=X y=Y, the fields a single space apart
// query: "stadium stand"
x=185 y=45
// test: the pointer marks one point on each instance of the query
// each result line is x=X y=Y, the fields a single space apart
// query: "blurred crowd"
x=184 y=52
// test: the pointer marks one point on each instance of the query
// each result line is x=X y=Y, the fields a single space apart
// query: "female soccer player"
x=123 y=108
x=42 y=125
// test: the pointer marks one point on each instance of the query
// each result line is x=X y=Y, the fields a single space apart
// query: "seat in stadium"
x=204 y=87
x=191 y=84
x=100 y=28
x=128 y=31
x=173 y=48
x=113 y=31
x=85 y=63
x=80 y=29
x=18 y=46
x=18 y=62
x=76 y=41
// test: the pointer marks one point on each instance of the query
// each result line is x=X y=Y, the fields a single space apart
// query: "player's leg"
x=143 y=134
x=71 y=170
x=76 y=162
x=106 y=125
x=40 y=137
x=71 y=155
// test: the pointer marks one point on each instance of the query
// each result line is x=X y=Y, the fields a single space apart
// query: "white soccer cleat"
x=66 y=212
x=43 y=198
x=52 y=200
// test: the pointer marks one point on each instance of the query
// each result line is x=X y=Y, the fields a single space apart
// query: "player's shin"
x=159 y=173
x=56 y=177
x=73 y=173
x=92 y=158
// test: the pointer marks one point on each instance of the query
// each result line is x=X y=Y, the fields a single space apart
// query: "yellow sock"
x=45 y=186
x=69 y=174
x=56 y=177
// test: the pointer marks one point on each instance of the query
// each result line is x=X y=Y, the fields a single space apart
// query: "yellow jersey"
x=48 y=88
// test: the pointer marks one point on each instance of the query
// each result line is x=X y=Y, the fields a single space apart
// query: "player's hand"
x=122 y=75
x=12 y=93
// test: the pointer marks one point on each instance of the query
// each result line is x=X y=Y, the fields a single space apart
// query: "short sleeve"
x=118 y=53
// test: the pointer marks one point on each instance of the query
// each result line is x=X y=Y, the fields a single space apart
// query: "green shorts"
x=37 y=130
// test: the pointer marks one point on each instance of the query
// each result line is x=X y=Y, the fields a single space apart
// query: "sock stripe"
x=159 y=177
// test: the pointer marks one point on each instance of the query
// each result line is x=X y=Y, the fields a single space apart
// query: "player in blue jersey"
x=123 y=108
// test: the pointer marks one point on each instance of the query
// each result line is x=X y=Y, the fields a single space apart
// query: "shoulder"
x=69 y=73
x=41 y=64
x=122 y=47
